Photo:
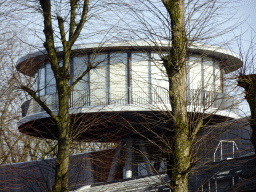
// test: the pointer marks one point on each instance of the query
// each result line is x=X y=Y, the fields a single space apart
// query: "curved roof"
x=230 y=61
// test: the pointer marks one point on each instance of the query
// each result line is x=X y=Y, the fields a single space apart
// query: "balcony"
x=137 y=96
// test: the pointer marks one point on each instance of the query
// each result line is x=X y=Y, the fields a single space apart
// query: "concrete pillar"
x=145 y=156
x=128 y=159
x=89 y=169
x=114 y=165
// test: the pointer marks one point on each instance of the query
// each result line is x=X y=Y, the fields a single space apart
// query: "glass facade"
x=81 y=90
x=159 y=80
x=195 y=80
x=130 y=78
x=217 y=77
x=50 y=80
x=118 y=87
x=140 y=77
x=41 y=81
x=208 y=70
x=98 y=79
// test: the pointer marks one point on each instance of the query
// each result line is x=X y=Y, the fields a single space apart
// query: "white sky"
x=246 y=9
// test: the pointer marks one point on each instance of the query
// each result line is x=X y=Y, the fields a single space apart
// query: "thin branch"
x=89 y=67
x=49 y=38
x=74 y=36
x=62 y=30
x=39 y=101
x=72 y=25
x=196 y=129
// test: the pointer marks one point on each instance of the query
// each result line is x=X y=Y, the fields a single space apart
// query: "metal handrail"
x=138 y=95
x=221 y=153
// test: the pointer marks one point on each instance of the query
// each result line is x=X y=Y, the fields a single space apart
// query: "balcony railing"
x=138 y=96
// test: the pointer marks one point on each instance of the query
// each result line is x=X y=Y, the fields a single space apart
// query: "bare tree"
x=246 y=79
x=70 y=23
x=70 y=19
x=181 y=23
x=181 y=129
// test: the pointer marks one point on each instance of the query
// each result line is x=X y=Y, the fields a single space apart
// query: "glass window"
x=35 y=85
x=81 y=89
x=140 y=78
x=41 y=81
x=194 y=95
x=195 y=76
x=208 y=74
x=50 y=80
x=142 y=169
x=117 y=78
x=217 y=76
x=98 y=80
x=61 y=63
x=159 y=80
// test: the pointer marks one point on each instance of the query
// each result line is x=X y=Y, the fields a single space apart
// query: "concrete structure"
x=128 y=77
x=128 y=84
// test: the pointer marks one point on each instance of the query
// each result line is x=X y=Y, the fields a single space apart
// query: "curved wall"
x=131 y=78
x=124 y=80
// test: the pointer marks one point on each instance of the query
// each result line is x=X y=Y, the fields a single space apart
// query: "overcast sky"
x=246 y=9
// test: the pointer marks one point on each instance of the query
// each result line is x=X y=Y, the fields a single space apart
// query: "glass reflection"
x=81 y=89
x=117 y=78
x=98 y=80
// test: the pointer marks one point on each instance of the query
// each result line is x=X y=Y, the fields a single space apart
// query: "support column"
x=115 y=162
x=130 y=167
x=128 y=159
x=90 y=170
x=146 y=159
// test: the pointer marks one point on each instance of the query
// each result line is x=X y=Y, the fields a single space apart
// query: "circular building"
x=127 y=87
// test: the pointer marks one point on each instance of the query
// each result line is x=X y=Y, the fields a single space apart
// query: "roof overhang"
x=229 y=60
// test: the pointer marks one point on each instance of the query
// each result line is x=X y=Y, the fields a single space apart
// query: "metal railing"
x=234 y=146
x=144 y=95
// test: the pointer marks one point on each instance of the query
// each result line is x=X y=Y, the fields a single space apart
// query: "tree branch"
x=62 y=31
x=48 y=32
x=72 y=25
x=39 y=101
x=196 y=129
x=74 y=36
x=89 y=67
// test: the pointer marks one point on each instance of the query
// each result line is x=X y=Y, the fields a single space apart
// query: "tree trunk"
x=62 y=77
x=64 y=139
x=248 y=82
x=178 y=162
